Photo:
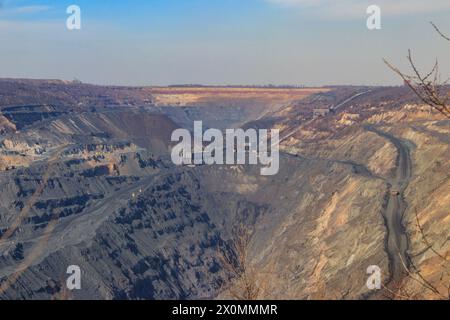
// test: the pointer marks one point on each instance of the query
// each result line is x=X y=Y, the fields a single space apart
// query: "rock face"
x=96 y=188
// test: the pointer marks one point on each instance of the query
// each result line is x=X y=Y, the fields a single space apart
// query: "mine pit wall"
x=317 y=225
x=323 y=228
x=428 y=199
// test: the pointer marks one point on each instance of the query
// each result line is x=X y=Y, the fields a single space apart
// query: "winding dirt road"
x=397 y=239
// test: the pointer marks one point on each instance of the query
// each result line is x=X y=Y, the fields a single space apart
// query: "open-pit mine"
x=86 y=179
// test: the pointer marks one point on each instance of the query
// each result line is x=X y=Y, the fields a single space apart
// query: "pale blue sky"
x=142 y=42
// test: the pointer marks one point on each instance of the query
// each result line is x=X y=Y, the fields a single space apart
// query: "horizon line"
x=200 y=85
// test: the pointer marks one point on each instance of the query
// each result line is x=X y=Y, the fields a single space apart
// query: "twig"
x=439 y=31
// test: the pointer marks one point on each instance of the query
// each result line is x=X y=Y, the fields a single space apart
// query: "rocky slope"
x=96 y=188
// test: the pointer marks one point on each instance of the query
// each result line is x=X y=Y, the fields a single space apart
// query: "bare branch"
x=425 y=240
x=246 y=283
x=429 y=92
x=427 y=88
x=439 y=31
x=421 y=279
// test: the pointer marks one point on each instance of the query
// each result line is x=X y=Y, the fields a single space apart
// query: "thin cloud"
x=357 y=8
x=6 y=9
x=31 y=9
